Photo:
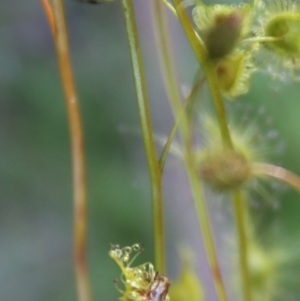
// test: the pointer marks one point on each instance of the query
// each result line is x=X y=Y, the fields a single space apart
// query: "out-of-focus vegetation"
x=35 y=176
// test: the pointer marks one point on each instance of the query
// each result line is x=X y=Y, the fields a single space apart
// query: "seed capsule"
x=285 y=27
x=224 y=171
x=221 y=27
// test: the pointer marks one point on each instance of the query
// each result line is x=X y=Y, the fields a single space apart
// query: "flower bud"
x=234 y=73
x=285 y=27
x=221 y=38
x=221 y=27
x=279 y=23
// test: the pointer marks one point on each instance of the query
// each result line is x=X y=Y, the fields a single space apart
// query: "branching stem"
x=153 y=166
x=209 y=71
x=175 y=103
x=172 y=133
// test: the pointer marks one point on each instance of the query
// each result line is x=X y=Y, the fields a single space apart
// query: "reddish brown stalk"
x=49 y=14
x=278 y=173
x=55 y=14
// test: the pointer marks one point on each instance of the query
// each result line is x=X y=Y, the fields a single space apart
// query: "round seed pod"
x=225 y=170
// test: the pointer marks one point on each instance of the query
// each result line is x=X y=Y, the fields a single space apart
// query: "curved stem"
x=49 y=14
x=278 y=173
x=175 y=102
x=153 y=166
x=55 y=15
x=169 y=7
x=172 y=133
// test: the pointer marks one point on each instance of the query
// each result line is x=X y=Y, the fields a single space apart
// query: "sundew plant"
x=222 y=159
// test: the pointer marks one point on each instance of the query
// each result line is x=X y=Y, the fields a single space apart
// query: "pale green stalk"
x=152 y=161
x=172 y=133
x=239 y=209
x=169 y=7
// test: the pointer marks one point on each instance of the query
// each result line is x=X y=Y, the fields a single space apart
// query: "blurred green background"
x=35 y=179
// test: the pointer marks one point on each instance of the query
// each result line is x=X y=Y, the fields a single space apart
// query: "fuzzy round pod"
x=225 y=170
x=279 y=22
x=222 y=26
x=245 y=138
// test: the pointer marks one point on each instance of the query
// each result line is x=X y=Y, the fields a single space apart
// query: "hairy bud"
x=224 y=171
x=221 y=27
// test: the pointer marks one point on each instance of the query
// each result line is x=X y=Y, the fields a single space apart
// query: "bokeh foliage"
x=35 y=179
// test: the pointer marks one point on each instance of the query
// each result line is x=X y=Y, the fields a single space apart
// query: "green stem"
x=152 y=161
x=172 y=133
x=240 y=216
x=194 y=40
x=216 y=96
x=262 y=39
x=169 y=7
x=237 y=197
x=175 y=102
x=209 y=70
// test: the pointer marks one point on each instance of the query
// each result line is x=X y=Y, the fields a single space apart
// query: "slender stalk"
x=175 y=102
x=153 y=166
x=172 y=133
x=218 y=103
x=240 y=217
x=79 y=194
x=208 y=68
x=237 y=197
x=170 y=7
x=194 y=40
x=262 y=39
x=49 y=14
x=278 y=173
